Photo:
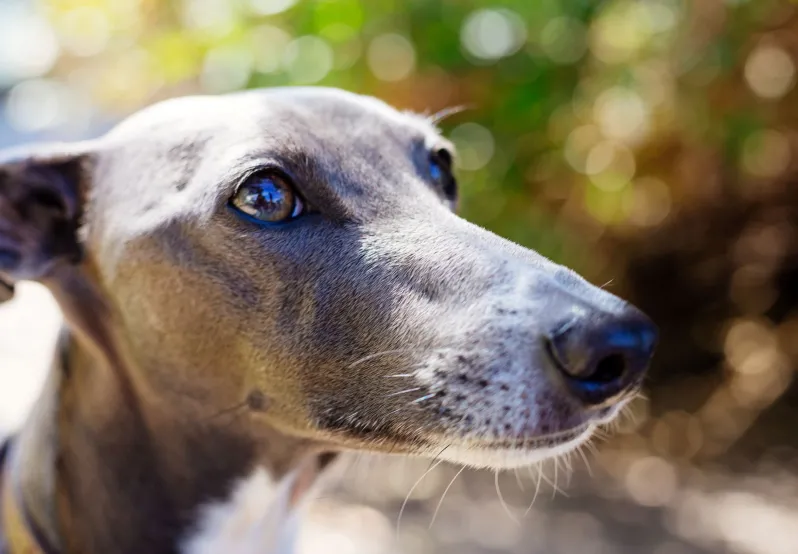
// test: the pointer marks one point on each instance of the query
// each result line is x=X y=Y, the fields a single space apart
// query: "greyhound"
x=256 y=282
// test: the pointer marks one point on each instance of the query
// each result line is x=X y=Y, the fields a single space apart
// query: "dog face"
x=301 y=243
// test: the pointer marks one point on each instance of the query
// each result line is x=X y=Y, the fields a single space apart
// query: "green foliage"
x=577 y=102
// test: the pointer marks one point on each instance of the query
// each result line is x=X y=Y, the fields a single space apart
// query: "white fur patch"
x=504 y=458
x=256 y=519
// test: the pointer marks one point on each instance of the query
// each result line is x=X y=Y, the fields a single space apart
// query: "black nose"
x=603 y=355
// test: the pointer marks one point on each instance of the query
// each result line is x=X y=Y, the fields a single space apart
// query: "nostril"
x=609 y=376
x=601 y=357
x=608 y=370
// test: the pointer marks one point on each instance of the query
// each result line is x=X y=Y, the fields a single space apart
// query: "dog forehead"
x=341 y=136
x=285 y=111
x=338 y=109
x=186 y=152
x=182 y=157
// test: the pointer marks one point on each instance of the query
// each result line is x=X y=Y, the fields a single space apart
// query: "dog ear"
x=41 y=201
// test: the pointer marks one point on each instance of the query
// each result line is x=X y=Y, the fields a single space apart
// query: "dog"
x=253 y=283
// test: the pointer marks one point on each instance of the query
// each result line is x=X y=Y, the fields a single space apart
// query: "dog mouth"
x=517 y=443
x=536 y=442
x=511 y=453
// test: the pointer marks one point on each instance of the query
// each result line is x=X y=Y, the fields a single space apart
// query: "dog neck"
x=102 y=466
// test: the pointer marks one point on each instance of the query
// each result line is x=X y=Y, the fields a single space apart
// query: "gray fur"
x=329 y=318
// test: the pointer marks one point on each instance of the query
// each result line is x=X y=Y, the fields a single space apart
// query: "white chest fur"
x=257 y=518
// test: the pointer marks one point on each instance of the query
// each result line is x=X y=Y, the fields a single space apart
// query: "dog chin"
x=508 y=457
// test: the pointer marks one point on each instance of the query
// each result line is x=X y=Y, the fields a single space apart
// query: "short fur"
x=204 y=347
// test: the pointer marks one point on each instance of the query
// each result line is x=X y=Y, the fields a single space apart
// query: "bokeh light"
x=766 y=154
x=770 y=71
x=622 y=114
x=216 y=17
x=492 y=34
x=268 y=44
x=563 y=40
x=84 y=31
x=37 y=105
x=226 y=68
x=648 y=144
x=28 y=45
x=475 y=145
x=307 y=59
x=391 y=57
x=270 y=7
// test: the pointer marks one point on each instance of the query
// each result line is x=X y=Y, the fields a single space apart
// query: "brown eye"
x=268 y=197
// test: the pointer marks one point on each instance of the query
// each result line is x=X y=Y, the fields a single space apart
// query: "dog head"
x=301 y=243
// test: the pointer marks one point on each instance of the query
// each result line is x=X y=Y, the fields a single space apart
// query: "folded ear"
x=41 y=204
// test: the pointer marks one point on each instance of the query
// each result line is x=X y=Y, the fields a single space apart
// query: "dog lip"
x=514 y=452
x=537 y=441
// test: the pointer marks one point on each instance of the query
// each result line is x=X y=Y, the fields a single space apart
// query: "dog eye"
x=269 y=197
x=440 y=169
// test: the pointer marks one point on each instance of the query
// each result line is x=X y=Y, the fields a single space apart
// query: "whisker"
x=423 y=398
x=560 y=489
x=440 y=502
x=537 y=489
x=529 y=471
x=501 y=499
x=381 y=353
x=399 y=375
x=556 y=467
x=601 y=433
x=631 y=414
x=438 y=455
x=569 y=466
x=581 y=453
x=565 y=432
x=399 y=409
x=552 y=484
x=601 y=438
x=395 y=351
x=407 y=498
x=440 y=115
x=518 y=480
x=402 y=392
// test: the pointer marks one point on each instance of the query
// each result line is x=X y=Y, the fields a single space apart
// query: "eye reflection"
x=267 y=197
x=440 y=170
x=435 y=170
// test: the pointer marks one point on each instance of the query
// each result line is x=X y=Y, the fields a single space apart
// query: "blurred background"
x=652 y=145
